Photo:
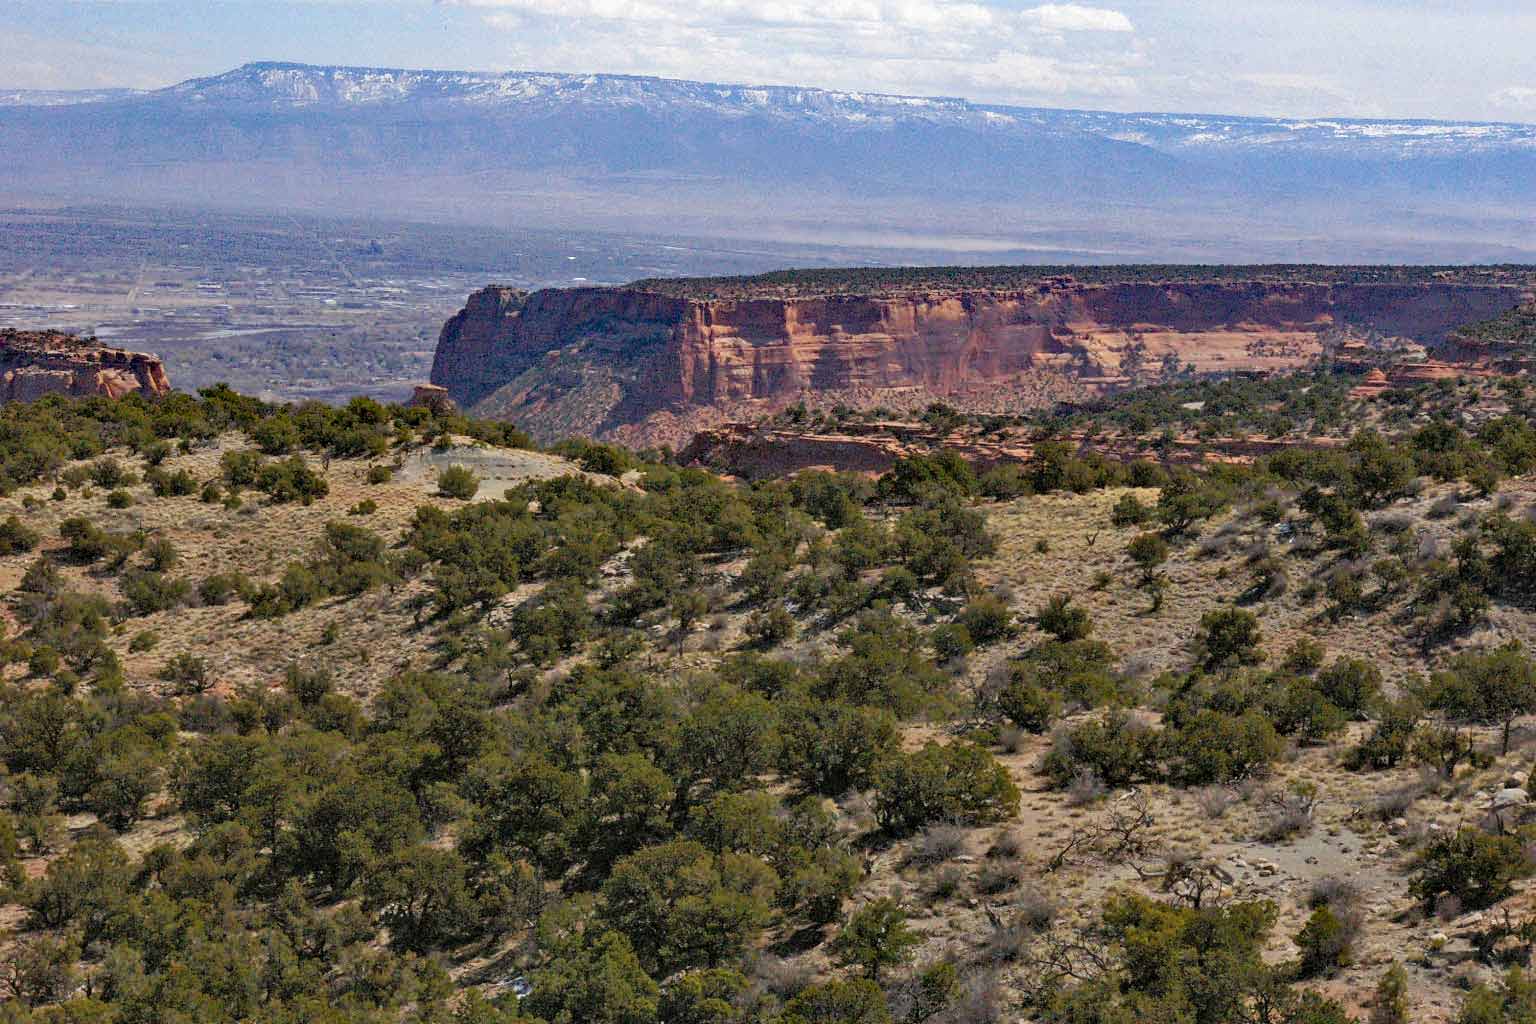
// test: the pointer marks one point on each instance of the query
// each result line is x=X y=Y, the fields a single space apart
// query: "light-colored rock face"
x=657 y=354
x=35 y=364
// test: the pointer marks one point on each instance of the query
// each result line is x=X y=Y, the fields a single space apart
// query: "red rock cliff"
x=596 y=360
x=38 y=363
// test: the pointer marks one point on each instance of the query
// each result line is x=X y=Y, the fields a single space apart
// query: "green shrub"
x=16 y=537
x=291 y=480
x=1129 y=511
x=188 y=672
x=87 y=541
x=107 y=473
x=1064 y=620
x=1303 y=657
x=1212 y=747
x=1390 y=1004
x=1476 y=868
x=684 y=906
x=1148 y=551
x=1326 y=942
x=858 y=1001
x=1489 y=687
x=1353 y=684
x=951 y=640
x=769 y=627
x=1118 y=748
x=161 y=553
x=171 y=485
x=956 y=782
x=875 y=939
x=457 y=482
x=148 y=592
x=987 y=620
x=221 y=588
x=1004 y=482
x=242 y=468
x=830 y=747
x=1030 y=707
x=119 y=499
x=1299 y=708
x=1391 y=741
x=1229 y=637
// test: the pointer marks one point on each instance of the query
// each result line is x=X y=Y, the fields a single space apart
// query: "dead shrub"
x=1447 y=907
x=1214 y=546
x=1214 y=801
x=1085 y=788
x=1444 y=508
x=1392 y=523
x=1007 y=846
x=937 y=844
x=997 y=876
x=979 y=1001
x=1290 y=812
x=1012 y=739
x=945 y=884
x=782 y=978
x=1332 y=891
x=1396 y=802
x=1037 y=909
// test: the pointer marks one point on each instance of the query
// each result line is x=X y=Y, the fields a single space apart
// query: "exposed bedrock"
x=632 y=354
x=38 y=363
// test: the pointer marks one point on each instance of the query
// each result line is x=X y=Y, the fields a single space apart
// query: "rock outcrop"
x=762 y=451
x=38 y=363
x=628 y=361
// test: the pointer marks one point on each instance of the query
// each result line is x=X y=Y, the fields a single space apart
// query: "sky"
x=1448 y=59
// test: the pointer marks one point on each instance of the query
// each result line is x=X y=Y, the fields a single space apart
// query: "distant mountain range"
x=625 y=151
x=62 y=97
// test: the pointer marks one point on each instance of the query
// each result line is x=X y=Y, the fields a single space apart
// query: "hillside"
x=383 y=709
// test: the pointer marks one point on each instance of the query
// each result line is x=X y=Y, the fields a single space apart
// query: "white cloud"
x=967 y=47
x=1077 y=18
x=36 y=62
x=1317 y=92
x=1516 y=97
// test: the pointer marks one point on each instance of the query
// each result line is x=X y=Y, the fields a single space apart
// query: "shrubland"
x=311 y=727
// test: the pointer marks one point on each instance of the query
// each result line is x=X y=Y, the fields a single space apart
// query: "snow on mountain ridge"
x=277 y=87
x=62 y=97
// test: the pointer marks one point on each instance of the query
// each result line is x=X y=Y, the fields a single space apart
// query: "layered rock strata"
x=38 y=363
x=596 y=360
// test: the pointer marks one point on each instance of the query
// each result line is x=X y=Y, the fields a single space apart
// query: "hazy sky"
x=1461 y=59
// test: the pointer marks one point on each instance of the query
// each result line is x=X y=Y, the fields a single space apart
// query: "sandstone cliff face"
x=35 y=364
x=599 y=360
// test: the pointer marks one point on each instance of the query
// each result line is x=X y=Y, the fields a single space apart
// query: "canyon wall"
x=38 y=363
x=638 y=364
